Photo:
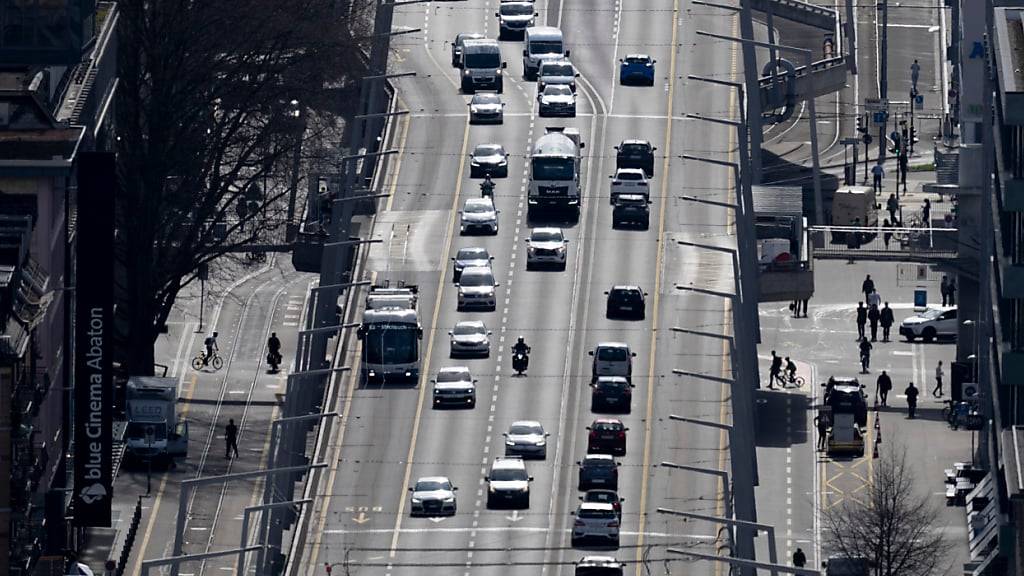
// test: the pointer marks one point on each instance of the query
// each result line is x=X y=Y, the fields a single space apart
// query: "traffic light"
x=860 y=125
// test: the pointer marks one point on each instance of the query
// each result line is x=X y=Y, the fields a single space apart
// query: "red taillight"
x=579 y=523
x=622 y=434
x=593 y=434
x=613 y=524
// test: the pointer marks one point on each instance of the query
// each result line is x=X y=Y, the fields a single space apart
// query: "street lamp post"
x=772 y=552
x=726 y=490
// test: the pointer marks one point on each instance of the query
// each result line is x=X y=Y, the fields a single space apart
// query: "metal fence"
x=893 y=244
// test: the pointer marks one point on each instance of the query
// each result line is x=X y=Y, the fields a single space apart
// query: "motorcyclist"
x=520 y=347
x=211 y=347
x=274 y=347
x=487 y=186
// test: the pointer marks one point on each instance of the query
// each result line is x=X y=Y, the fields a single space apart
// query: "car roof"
x=485 y=96
x=525 y=423
x=610 y=344
x=638 y=57
x=481 y=270
x=545 y=230
x=631 y=171
x=635 y=141
x=941 y=308
x=597 y=506
x=602 y=560
x=596 y=457
x=614 y=421
x=451 y=369
x=562 y=88
x=618 y=380
x=488 y=146
x=622 y=287
x=601 y=491
x=472 y=323
x=433 y=479
x=472 y=250
x=468 y=36
x=552 y=62
x=479 y=202
x=508 y=462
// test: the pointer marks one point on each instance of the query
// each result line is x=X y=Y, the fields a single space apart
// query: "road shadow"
x=781 y=418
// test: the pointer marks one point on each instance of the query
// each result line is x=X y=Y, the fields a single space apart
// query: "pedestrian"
x=231 y=439
x=821 y=423
x=867 y=286
x=893 y=206
x=882 y=387
x=874 y=299
x=794 y=307
x=775 y=372
x=937 y=392
x=886 y=319
x=799 y=559
x=911 y=394
x=241 y=210
x=877 y=173
x=952 y=292
x=926 y=213
x=873 y=316
x=862 y=319
x=803 y=305
x=865 y=356
x=886 y=235
x=904 y=163
x=915 y=73
x=944 y=289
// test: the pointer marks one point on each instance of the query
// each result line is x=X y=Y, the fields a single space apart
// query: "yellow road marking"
x=651 y=378
x=393 y=187
x=425 y=370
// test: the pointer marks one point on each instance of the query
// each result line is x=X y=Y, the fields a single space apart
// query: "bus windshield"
x=553 y=168
x=391 y=344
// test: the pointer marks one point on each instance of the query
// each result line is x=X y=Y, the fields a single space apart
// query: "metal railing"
x=891 y=244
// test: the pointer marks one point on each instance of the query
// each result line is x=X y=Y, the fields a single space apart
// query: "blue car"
x=637 y=69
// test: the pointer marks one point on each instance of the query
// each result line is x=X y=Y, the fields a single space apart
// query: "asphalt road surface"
x=390 y=435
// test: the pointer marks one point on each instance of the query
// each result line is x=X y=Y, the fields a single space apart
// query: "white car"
x=508 y=483
x=476 y=288
x=629 y=181
x=470 y=338
x=546 y=246
x=556 y=100
x=432 y=496
x=557 y=72
x=454 y=386
x=527 y=439
x=488 y=159
x=933 y=323
x=599 y=566
x=612 y=359
x=478 y=214
x=486 y=108
x=596 y=521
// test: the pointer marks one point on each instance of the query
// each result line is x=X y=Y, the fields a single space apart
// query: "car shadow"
x=774 y=428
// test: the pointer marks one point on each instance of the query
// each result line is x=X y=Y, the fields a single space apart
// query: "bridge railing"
x=878 y=243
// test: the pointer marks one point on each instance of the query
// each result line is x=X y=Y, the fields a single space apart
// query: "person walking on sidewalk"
x=926 y=213
x=874 y=299
x=873 y=316
x=915 y=73
x=904 y=164
x=231 y=439
x=886 y=319
x=944 y=289
x=882 y=387
x=862 y=319
x=867 y=286
x=952 y=292
x=893 y=206
x=937 y=392
x=799 y=559
x=821 y=423
x=775 y=372
x=886 y=236
x=911 y=394
x=877 y=173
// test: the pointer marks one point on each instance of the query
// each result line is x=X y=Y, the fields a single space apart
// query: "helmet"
x=521 y=341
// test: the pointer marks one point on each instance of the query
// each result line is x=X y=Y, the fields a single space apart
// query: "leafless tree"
x=890 y=523
x=213 y=99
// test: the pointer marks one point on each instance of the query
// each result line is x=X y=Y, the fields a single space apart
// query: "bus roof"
x=391 y=315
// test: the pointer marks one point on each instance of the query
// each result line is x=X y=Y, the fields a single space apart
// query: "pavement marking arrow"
x=515 y=517
x=362 y=518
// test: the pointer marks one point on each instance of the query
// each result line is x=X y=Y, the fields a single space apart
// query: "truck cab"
x=854 y=206
x=153 y=429
x=845 y=411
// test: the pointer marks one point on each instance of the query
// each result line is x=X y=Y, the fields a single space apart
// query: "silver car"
x=470 y=338
x=556 y=100
x=432 y=496
x=596 y=521
x=486 y=108
x=546 y=246
x=454 y=386
x=488 y=159
x=478 y=214
x=526 y=438
x=476 y=289
x=557 y=72
x=466 y=257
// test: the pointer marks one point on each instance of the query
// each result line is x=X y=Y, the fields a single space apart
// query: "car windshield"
x=476 y=280
x=630 y=176
x=637 y=60
x=931 y=313
x=600 y=496
x=486 y=99
x=626 y=295
x=431 y=485
x=612 y=354
x=556 y=70
x=488 y=150
x=633 y=150
x=592 y=513
x=483 y=60
x=546 y=236
x=466 y=329
x=508 y=474
x=472 y=254
x=598 y=463
x=479 y=207
x=520 y=429
x=557 y=90
x=553 y=168
x=607 y=426
x=612 y=386
x=551 y=47
x=513 y=9
x=452 y=376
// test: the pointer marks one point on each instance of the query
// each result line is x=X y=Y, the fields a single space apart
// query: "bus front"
x=391 y=345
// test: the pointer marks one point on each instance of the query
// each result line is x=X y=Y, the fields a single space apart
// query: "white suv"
x=596 y=521
x=508 y=483
x=937 y=322
x=546 y=246
x=612 y=359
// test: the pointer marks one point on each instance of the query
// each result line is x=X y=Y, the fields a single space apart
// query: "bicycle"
x=793 y=381
x=199 y=361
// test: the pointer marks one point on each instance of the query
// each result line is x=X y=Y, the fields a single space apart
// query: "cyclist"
x=274 y=347
x=865 y=355
x=790 y=370
x=211 y=347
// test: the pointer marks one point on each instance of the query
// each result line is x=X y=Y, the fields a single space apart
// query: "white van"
x=541 y=43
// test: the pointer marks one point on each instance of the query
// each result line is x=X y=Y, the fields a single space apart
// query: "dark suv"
x=611 y=394
x=631 y=210
x=607 y=436
x=598 y=471
x=626 y=302
x=635 y=154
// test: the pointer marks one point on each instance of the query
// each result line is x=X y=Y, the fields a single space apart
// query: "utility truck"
x=154 y=430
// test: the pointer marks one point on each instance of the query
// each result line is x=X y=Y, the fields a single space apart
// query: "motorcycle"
x=274 y=359
x=487 y=188
x=962 y=413
x=519 y=362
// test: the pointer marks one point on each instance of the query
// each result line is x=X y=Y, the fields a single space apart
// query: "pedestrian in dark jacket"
x=867 y=286
x=799 y=558
x=882 y=387
x=911 y=394
x=893 y=206
x=944 y=290
x=886 y=320
x=862 y=319
x=231 y=438
x=886 y=235
x=775 y=372
x=952 y=292
x=873 y=317
x=821 y=423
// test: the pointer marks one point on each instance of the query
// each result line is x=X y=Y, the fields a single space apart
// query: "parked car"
x=933 y=323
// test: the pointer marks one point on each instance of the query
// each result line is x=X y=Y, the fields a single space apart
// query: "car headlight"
x=449 y=500
x=497 y=72
x=417 y=500
x=474 y=162
x=561 y=248
x=531 y=249
x=469 y=391
x=466 y=72
x=509 y=443
x=491 y=489
x=542 y=443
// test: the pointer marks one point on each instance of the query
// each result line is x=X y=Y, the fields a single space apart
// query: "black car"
x=631 y=210
x=598 y=471
x=467 y=257
x=635 y=154
x=607 y=436
x=626 y=302
x=611 y=394
x=606 y=497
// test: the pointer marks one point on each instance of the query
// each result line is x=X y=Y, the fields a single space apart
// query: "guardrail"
x=801 y=71
x=889 y=244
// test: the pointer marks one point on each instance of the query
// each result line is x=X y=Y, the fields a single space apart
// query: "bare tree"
x=892 y=525
x=208 y=112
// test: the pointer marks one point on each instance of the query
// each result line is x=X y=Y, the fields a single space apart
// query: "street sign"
x=879 y=118
x=919 y=102
x=876 y=104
